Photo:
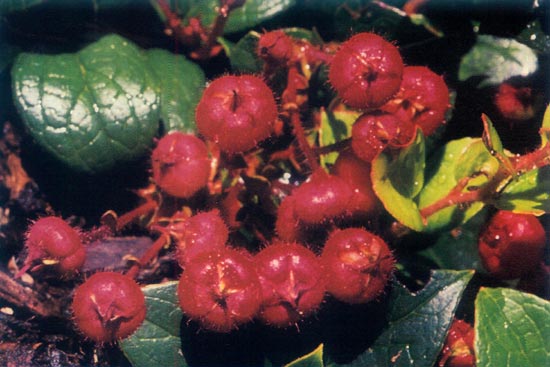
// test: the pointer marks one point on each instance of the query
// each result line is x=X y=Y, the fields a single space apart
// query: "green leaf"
x=493 y=143
x=335 y=126
x=534 y=36
x=157 y=341
x=512 y=329
x=92 y=109
x=313 y=359
x=396 y=182
x=527 y=193
x=181 y=82
x=545 y=128
x=466 y=157
x=497 y=59
x=8 y=6
x=417 y=322
x=242 y=55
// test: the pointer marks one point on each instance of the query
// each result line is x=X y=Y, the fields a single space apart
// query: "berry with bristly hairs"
x=423 y=99
x=108 y=307
x=458 y=350
x=203 y=232
x=275 y=47
x=287 y=224
x=181 y=166
x=220 y=289
x=366 y=71
x=358 y=265
x=52 y=240
x=293 y=283
x=514 y=103
x=372 y=133
x=512 y=245
x=236 y=112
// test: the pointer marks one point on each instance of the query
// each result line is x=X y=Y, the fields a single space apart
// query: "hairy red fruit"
x=515 y=103
x=180 y=163
x=358 y=265
x=275 y=47
x=52 y=240
x=366 y=71
x=108 y=306
x=220 y=289
x=512 y=244
x=236 y=112
x=356 y=172
x=203 y=232
x=423 y=99
x=321 y=198
x=293 y=284
x=372 y=133
x=287 y=224
x=458 y=350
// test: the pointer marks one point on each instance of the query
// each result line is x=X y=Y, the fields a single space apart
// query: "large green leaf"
x=181 y=82
x=157 y=341
x=497 y=59
x=91 y=109
x=528 y=193
x=313 y=359
x=417 y=323
x=466 y=157
x=335 y=126
x=242 y=55
x=512 y=329
x=397 y=181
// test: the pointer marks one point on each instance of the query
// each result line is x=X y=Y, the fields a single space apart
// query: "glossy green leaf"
x=313 y=359
x=157 y=341
x=397 y=181
x=417 y=322
x=492 y=142
x=181 y=85
x=92 y=109
x=497 y=59
x=545 y=128
x=528 y=193
x=466 y=157
x=335 y=126
x=242 y=55
x=512 y=329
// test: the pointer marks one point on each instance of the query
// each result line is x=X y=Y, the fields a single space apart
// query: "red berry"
x=236 y=112
x=321 y=198
x=51 y=239
x=458 y=350
x=358 y=265
x=203 y=232
x=108 y=306
x=181 y=166
x=372 y=133
x=423 y=99
x=366 y=71
x=293 y=284
x=275 y=47
x=512 y=244
x=287 y=224
x=514 y=103
x=220 y=289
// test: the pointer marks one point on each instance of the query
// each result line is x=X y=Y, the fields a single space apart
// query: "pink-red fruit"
x=236 y=112
x=108 y=306
x=181 y=165
x=52 y=240
x=366 y=71
x=458 y=350
x=515 y=103
x=512 y=244
x=358 y=265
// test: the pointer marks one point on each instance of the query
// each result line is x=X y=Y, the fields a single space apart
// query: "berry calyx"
x=108 y=306
x=51 y=240
x=181 y=165
x=220 y=289
x=512 y=244
x=366 y=71
x=423 y=99
x=293 y=284
x=458 y=350
x=358 y=265
x=236 y=112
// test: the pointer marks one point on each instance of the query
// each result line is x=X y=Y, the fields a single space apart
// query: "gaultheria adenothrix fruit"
x=275 y=47
x=236 y=112
x=108 y=306
x=366 y=71
x=514 y=103
x=293 y=284
x=287 y=224
x=203 y=232
x=423 y=99
x=358 y=265
x=220 y=289
x=373 y=132
x=51 y=239
x=512 y=244
x=458 y=350
x=181 y=165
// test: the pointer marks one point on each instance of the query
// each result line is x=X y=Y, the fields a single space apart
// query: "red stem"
x=128 y=217
x=149 y=255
